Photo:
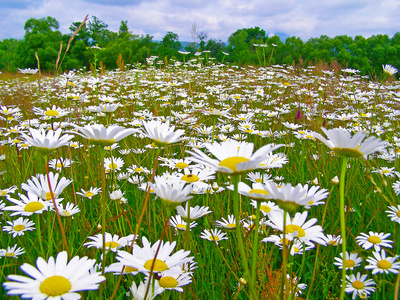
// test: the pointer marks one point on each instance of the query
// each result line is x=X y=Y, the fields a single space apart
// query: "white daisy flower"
x=56 y=279
x=380 y=263
x=343 y=144
x=47 y=142
x=394 y=213
x=377 y=240
x=359 y=285
x=233 y=157
x=144 y=258
x=112 y=242
x=194 y=212
x=352 y=260
x=214 y=235
x=98 y=133
x=19 y=226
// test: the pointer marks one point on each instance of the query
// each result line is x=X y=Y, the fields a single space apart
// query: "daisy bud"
x=215 y=186
x=315 y=181
x=335 y=180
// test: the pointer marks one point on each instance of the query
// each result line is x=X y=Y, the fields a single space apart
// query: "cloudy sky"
x=218 y=18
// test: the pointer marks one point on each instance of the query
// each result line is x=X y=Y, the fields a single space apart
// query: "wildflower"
x=227 y=224
x=139 y=291
x=112 y=242
x=390 y=70
x=333 y=240
x=69 y=210
x=394 y=213
x=343 y=144
x=178 y=223
x=380 y=263
x=233 y=157
x=42 y=184
x=28 y=205
x=47 y=142
x=266 y=207
x=56 y=278
x=144 y=258
x=113 y=163
x=13 y=251
x=195 y=212
x=162 y=133
x=396 y=187
x=60 y=163
x=214 y=235
x=375 y=239
x=93 y=191
x=298 y=227
x=256 y=192
x=105 y=136
x=352 y=261
x=8 y=191
x=174 y=280
x=291 y=197
x=359 y=285
x=19 y=226
x=170 y=192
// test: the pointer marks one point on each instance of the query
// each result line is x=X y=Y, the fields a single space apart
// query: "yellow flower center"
x=265 y=208
x=159 y=265
x=259 y=180
x=129 y=269
x=49 y=196
x=190 y=178
x=374 y=239
x=138 y=170
x=168 y=282
x=33 y=206
x=16 y=141
x=352 y=153
x=59 y=165
x=181 y=165
x=292 y=228
x=284 y=241
x=111 y=245
x=113 y=166
x=385 y=171
x=214 y=238
x=51 y=113
x=258 y=191
x=358 y=285
x=89 y=194
x=384 y=264
x=397 y=213
x=232 y=162
x=19 y=227
x=349 y=263
x=333 y=243
x=181 y=226
x=296 y=250
x=3 y=193
x=231 y=225
x=55 y=286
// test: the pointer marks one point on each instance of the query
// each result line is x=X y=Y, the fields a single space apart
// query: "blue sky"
x=217 y=18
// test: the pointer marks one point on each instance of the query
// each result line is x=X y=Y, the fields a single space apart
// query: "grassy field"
x=101 y=188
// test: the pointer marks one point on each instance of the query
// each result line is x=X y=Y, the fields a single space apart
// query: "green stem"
x=284 y=258
x=343 y=224
x=39 y=234
x=242 y=252
x=255 y=243
x=103 y=208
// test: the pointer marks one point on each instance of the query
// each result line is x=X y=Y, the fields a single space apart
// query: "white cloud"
x=218 y=18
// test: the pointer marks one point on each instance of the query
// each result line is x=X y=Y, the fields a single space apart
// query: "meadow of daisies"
x=200 y=181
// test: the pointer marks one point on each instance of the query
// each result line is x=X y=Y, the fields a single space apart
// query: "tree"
x=123 y=29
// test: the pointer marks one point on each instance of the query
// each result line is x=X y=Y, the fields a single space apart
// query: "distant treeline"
x=247 y=46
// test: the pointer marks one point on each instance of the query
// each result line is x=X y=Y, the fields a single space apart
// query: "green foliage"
x=246 y=46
